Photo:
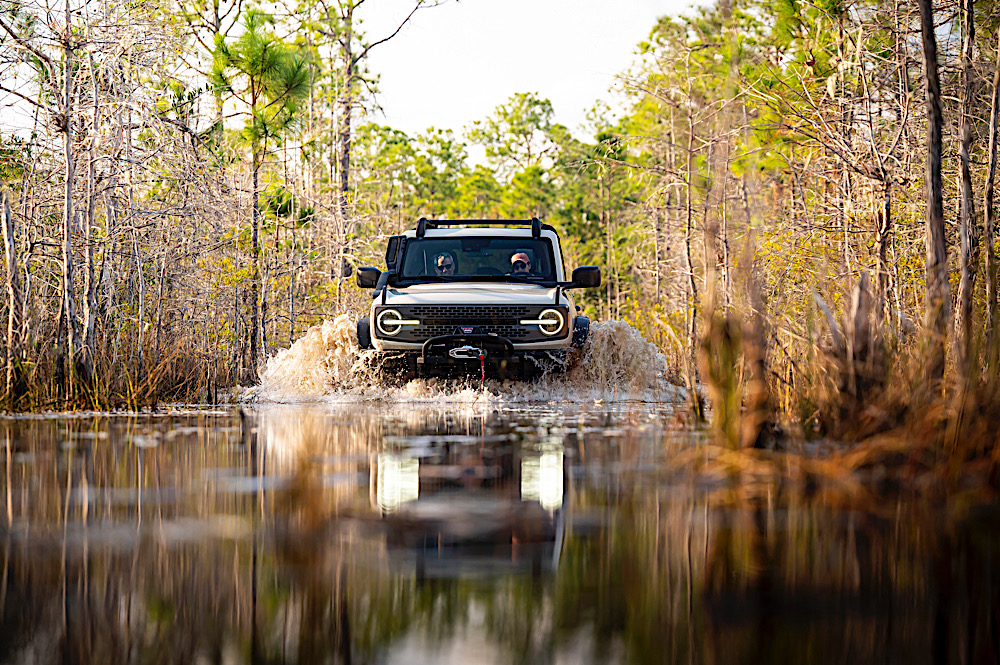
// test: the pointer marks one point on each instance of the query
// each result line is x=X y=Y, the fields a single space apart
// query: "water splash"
x=324 y=360
x=616 y=364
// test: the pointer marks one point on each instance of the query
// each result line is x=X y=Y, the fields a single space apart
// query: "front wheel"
x=581 y=328
x=364 y=334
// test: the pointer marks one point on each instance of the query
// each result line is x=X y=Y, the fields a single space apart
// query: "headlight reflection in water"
x=398 y=481
x=542 y=479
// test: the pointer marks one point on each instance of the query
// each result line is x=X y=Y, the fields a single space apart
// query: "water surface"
x=416 y=532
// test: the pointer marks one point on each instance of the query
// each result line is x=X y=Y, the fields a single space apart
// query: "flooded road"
x=427 y=532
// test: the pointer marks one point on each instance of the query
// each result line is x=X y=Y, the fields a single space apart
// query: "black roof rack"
x=536 y=225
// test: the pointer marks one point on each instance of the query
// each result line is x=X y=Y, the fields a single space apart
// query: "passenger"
x=444 y=265
x=520 y=264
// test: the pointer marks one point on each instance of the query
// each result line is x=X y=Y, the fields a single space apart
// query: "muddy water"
x=462 y=531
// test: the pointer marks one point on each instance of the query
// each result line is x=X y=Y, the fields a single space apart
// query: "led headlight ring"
x=549 y=322
x=390 y=322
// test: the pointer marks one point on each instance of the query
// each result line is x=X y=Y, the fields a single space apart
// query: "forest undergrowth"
x=857 y=417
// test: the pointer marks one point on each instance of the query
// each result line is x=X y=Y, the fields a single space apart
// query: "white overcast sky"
x=455 y=63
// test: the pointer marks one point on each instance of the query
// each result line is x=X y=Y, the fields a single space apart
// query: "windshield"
x=478 y=257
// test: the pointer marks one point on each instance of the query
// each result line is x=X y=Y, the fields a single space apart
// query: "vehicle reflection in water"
x=407 y=533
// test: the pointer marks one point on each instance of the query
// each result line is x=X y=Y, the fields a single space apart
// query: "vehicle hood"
x=474 y=294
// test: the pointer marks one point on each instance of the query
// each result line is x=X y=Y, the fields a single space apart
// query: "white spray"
x=616 y=364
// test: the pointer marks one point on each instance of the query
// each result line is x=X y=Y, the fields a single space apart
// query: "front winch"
x=467 y=352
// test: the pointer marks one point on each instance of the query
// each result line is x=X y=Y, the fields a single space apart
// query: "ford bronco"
x=469 y=296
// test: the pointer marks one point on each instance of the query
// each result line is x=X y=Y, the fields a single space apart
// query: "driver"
x=444 y=265
x=520 y=264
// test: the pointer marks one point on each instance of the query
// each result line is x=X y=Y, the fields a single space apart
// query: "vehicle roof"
x=502 y=231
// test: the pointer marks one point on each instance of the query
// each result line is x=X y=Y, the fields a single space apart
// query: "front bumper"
x=470 y=355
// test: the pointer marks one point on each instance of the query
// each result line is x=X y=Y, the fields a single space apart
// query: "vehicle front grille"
x=510 y=332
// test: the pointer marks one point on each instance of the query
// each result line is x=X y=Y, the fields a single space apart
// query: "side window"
x=415 y=262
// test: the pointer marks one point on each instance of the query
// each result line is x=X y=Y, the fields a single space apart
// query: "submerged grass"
x=181 y=372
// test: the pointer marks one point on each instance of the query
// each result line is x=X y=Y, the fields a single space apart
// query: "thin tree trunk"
x=255 y=278
x=141 y=298
x=612 y=253
x=237 y=375
x=265 y=281
x=729 y=120
x=15 y=311
x=606 y=222
x=897 y=290
x=346 y=106
x=691 y=308
x=69 y=298
x=656 y=253
x=966 y=230
x=844 y=184
x=710 y=233
x=991 y=267
x=903 y=100
x=291 y=287
x=307 y=164
x=937 y=290
x=161 y=280
x=108 y=268
x=90 y=284
x=344 y=145
x=692 y=330
x=724 y=207
x=884 y=239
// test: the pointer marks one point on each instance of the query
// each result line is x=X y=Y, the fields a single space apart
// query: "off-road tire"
x=364 y=334
x=581 y=329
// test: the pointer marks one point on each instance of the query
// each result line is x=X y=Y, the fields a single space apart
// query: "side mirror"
x=587 y=277
x=368 y=277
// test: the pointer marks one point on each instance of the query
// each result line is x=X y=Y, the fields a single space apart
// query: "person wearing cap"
x=520 y=264
x=444 y=264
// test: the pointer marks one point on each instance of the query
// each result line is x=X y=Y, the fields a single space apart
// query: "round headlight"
x=550 y=321
x=389 y=322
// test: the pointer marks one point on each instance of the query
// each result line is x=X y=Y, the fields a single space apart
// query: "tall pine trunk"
x=991 y=268
x=15 y=311
x=937 y=290
x=344 y=149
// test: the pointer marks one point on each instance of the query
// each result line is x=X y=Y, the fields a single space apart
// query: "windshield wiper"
x=519 y=278
x=422 y=279
x=431 y=278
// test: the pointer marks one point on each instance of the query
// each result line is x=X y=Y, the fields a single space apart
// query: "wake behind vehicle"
x=465 y=296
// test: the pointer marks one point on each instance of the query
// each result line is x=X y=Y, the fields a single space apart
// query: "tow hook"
x=467 y=352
